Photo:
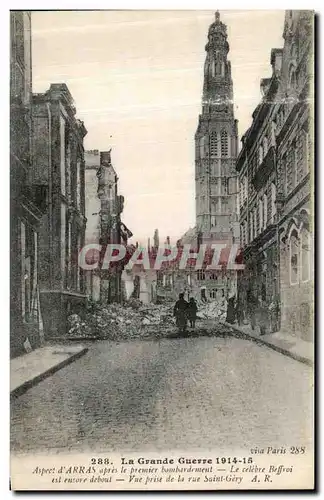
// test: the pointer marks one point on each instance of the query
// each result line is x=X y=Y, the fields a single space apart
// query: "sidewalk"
x=286 y=344
x=29 y=369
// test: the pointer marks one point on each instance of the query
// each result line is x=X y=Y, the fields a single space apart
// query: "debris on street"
x=135 y=320
x=116 y=321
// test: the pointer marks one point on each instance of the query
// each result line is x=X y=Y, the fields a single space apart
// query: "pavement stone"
x=282 y=342
x=30 y=368
x=220 y=393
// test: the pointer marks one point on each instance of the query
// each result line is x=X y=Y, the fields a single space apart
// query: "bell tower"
x=216 y=142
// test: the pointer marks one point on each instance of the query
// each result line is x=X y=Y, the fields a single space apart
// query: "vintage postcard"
x=162 y=250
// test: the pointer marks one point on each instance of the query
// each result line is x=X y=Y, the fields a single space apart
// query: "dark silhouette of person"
x=230 y=317
x=180 y=312
x=192 y=312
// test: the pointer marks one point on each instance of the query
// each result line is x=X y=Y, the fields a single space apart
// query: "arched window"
x=260 y=154
x=273 y=202
x=305 y=254
x=265 y=210
x=273 y=132
x=202 y=146
x=292 y=78
x=224 y=144
x=213 y=144
x=223 y=69
x=260 y=215
x=294 y=258
x=251 y=225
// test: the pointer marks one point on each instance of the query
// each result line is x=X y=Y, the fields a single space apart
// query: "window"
x=265 y=146
x=260 y=154
x=213 y=293
x=305 y=255
x=213 y=144
x=294 y=264
x=212 y=67
x=213 y=276
x=273 y=132
x=202 y=146
x=273 y=203
x=213 y=221
x=218 y=67
x=213 y=191
x=244 y=233
x=189 y=279
x=245 y=187
x=260 y=215
x=284 y=172
x=265 y=210
x=232 y=185
x=224 y=188
x=200 y=274
x=251 y=226
x=213 y=207
x=292 y=78
x=224 y=205
x=224 y=144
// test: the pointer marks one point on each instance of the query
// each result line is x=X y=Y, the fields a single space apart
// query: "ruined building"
x=25 y=320
x=59 y=177
x=104 y=206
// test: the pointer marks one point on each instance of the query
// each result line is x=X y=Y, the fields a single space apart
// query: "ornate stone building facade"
x=295 y=153
x=275 y=166
x=256 y=165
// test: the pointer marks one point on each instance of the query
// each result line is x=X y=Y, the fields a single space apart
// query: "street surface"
x=221 y=393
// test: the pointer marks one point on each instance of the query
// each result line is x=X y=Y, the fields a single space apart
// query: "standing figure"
x=192 y=312
x=180 y=312
x=230 y=317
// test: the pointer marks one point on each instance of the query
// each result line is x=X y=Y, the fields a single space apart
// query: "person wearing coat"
x=180 y=312
x=192 y=312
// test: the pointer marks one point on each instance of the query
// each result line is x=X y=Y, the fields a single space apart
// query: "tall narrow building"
x=216 y=142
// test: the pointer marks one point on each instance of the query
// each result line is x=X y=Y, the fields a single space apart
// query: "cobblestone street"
x=204 y=392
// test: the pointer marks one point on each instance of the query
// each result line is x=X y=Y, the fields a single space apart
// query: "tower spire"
x=218 y=86
x=216 y=141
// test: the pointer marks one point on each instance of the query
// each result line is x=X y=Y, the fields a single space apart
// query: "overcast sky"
x=136 y=78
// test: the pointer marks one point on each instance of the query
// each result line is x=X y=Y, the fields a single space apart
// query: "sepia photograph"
x=162 y=250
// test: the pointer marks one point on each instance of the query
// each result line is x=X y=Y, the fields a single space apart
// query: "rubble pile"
x=212 y=310
x=116 y=321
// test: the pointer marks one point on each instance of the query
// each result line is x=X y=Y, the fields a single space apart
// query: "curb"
x=275 y=347
x=21 y=389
